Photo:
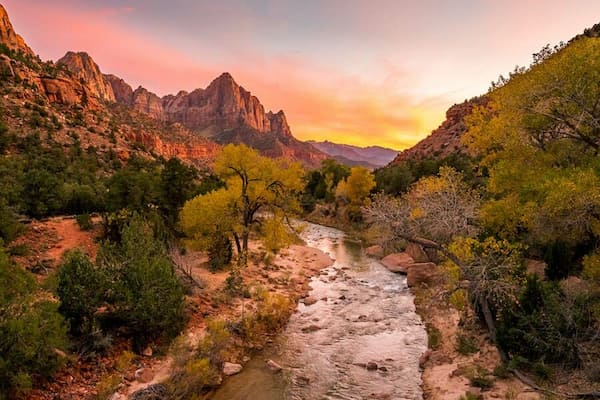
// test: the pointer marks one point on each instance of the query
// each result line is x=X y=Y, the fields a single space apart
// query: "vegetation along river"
x=361 y=340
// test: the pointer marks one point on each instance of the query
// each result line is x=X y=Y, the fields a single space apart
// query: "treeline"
x=531 y=193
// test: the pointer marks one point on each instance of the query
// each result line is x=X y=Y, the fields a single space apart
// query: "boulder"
x=397 y=262
x=417 y=253
x=231 y=369
x=309 y=301
x=421 y=273
x=374 y=251
x=147 y=352
x=372 y=366
x=144 y=375
x=273 y=366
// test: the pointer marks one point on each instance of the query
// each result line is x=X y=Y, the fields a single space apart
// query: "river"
x=364 y=316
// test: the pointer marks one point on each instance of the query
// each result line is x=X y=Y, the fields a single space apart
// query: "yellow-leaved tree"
x=256 y=189
x=355 y=189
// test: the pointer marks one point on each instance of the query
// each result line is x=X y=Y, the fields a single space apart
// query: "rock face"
x=9 y=37
x=397 y=262
x=445 y=140
x=421 y=274
x=84 y=69
x=122 y=91
x=225 y=112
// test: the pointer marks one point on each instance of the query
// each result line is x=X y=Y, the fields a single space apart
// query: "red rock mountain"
x=225 y=112
x=73 y=98
x=9 y=37
x=446 y=139
x=87 y=71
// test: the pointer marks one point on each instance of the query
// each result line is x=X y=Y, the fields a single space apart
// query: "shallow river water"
x=365 y=314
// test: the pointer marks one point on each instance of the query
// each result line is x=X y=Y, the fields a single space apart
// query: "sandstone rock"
x=372 y=366
x=231 y=369
x=148 y=103
x=397 y=262
x=84 y=69
x=446 y=139
x=421 y=273
x=374 y=251
x=424 y=358
x=309 y=301
x=416 y=252
x=9 y=37
x=6 y=69
x=121 y=89
x=311 y=328
x=273 y=366
x=147 y=352
x=144 y=375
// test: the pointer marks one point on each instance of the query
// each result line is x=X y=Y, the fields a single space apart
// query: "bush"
x=147 y=295
x=220 y=253
x=466 y=345
x=84 y=221
x=30 y=331
x=81 y=290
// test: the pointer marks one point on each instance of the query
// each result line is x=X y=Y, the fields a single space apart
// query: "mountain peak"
x=84 y=68
x=9 y=37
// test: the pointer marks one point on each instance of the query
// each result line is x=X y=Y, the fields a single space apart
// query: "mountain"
x=9 y=37
x=224 y=112
x=371 y=156
x=446 y=139
x=73 y=99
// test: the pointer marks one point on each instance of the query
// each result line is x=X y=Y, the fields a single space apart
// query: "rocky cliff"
x=9 y=37
x=446 y=139
x=225 y=112
x=84 y=69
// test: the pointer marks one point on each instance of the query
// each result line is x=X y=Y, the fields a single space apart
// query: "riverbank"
x=461 y=361
x=118 y=373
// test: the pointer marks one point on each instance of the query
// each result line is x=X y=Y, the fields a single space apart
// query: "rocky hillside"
x=444 y=140
x=224 y=112
x=371 y=156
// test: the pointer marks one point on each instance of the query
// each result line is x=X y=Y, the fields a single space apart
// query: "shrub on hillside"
x=31 y=330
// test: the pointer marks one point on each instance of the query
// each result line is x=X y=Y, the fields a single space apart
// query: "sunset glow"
x=359 y=72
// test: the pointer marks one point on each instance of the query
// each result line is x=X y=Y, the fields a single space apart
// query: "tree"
x=355 y=189
x=31 y=331
x=254 y=184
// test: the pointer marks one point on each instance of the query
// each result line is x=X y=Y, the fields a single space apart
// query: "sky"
x=363 y=72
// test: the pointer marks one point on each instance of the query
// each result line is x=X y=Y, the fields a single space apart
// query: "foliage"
x=254 y=184
x=81 y=289
x=321 y=183
x=539 y=326
x=220 y=252
x=84 y=221
x=31 y=329
x=437 y=208
x=355 y=189
x=134 y=279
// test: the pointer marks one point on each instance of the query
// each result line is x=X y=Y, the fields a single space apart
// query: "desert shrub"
x=31 y=330
x=434 y=337
x=220 y=253
x=107 y=386
x=538 y=326
x=10 y=227
x=81 y=290
x=214 y=343
x=134 y=279
x=196 y=377
x=147 y=295
x=234 y=284
x=466 y=345
x=84 y=221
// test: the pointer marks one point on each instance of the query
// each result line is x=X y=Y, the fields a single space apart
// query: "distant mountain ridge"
x=370 y=156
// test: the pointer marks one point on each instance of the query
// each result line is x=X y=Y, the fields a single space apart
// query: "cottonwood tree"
x=254 y=185
x=435 y=212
